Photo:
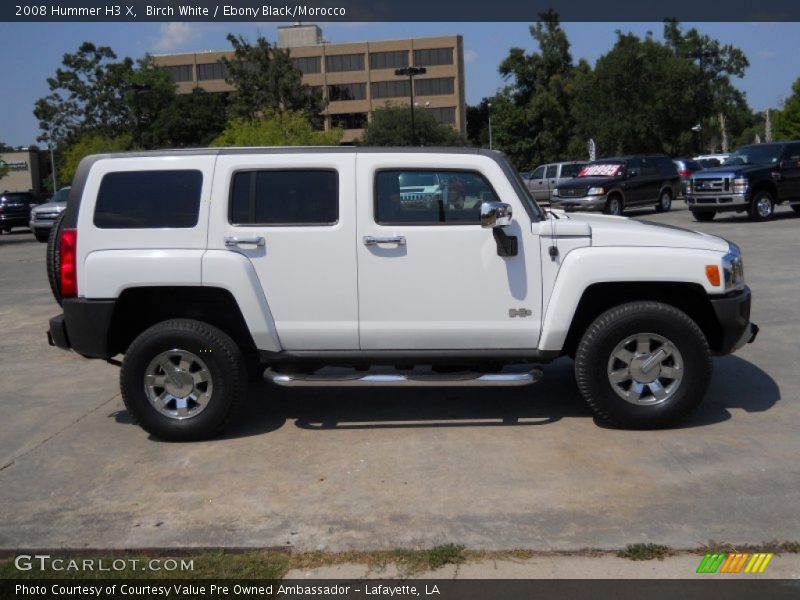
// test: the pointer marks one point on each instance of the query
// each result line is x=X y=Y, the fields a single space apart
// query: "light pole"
x=411 y=72
x=489 y=104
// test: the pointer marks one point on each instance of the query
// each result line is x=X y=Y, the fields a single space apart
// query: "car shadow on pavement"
x=737 y=384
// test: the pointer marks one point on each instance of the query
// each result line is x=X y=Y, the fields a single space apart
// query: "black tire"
x=762 y=206
x=53 y=257
x=41 y=236
x=614 y=205
x=704 y=216
x=593 y=360
x=664 y=201
x=225 y=365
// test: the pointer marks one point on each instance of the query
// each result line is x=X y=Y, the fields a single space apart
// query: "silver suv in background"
x=44 y=215
x=544 y=178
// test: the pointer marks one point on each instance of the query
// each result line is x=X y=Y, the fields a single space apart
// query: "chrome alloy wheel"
x=645 y=369
x=178 y=384
x=764 y=206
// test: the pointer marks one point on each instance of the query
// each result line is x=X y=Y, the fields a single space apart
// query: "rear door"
x=789 y=181
x=293 y=216
x=551 y=175
x=651 y=180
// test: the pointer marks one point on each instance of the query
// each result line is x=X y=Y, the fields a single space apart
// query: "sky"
x=33 y=52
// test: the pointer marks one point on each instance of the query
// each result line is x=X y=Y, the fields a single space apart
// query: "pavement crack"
x=55 y=434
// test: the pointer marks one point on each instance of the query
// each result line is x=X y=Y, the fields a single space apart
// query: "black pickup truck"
x=753 y=179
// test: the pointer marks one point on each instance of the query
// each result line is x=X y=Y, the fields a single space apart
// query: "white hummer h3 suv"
x=208 y=268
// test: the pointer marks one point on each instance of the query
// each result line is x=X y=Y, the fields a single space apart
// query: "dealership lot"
x=340 y=468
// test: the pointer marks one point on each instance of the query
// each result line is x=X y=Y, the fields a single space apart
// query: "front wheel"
x=182 y=379
x=613 y=206
x=664 y=202
x=762 y=206
x=704 y=216
x=643 y=365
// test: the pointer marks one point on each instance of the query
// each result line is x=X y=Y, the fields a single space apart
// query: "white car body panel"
x=110 y=272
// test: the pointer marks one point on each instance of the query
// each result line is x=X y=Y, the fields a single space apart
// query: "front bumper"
x=733 y=316
x=717 y=202
x=590 y=203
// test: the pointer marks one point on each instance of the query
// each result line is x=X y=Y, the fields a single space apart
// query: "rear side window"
x=552 y=170
x=148 y=200
x=285 y=197
x=667 y=167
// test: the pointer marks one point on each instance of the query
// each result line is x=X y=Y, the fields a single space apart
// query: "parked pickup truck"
x=545 y=178
x=752 y=179
x=205 y=268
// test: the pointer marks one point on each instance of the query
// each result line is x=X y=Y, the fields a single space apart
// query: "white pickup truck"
x=206 y=268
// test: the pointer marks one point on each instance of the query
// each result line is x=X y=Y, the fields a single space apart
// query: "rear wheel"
x=613 y=205
x=643 y=365
x=182 y=379
x=762 y=206
x=704 y=215
x=664 y=201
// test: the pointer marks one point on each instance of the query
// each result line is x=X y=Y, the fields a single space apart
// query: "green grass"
x=775 y=547
x=645 y=552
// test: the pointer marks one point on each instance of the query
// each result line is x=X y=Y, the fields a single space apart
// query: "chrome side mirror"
x=495 y=214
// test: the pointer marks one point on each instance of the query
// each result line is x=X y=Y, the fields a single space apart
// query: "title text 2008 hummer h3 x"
x=206 y=268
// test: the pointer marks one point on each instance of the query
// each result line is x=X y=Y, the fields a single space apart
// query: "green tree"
x=391 y=126
x=478 y=123
x=194 y=119
x=265 y=78
x=5 y=147
x=87 y=144
x=787 y=121
x=3 y=169
x=147 y=92
x=531 y=117
x=86 y=95
x=276 y=128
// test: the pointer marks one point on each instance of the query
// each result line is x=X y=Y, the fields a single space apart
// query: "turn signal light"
x=712 y=274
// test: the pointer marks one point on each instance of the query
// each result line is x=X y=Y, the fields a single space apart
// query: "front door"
x=538 y=184
x=429 y=276
x=293 y=216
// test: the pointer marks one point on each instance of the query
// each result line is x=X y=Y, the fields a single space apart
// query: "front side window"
x=430 y=197
x=538 y=173
x=285 y=197
x=148 y=200
x=551 y=171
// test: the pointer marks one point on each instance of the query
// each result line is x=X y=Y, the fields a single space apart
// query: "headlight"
x=733 y=268
x=555 y=192
x=596 y=191
x=740 y=185
x=689 y=186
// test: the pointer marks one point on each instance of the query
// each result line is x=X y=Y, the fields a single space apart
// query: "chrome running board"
x=469 y=379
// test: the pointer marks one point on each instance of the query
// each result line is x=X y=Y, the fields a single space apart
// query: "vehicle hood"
x=623 y=231
x=730 y=171
x=51 y=206
x=579 y=182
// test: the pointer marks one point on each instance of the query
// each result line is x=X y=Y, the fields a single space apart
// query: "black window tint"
x=444 y=115
x=180 y=73
x=571 y=170
x=552 y=170
x=349 y=120
x=308 y=64
x=538 y=173
x=391 y=89
x=344 y=62
x=148 y=199
x=427 y=197
x=792 y=152
x=294 y=197
x=347 y=91
x=648 y=167
x=433 y=56
x=212 y=71
x=434 y=87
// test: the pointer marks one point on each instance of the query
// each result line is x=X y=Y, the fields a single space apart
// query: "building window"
x=391 y=89
x=212 y=71
x=291 y=197
x=349 y=120
x=388 y=60
x=180 y=73
x=308 y=64
x=445 y=115
x=148 y=200
x=344 y=62
x=434 y=87
x=433 y=57
x=347 y=91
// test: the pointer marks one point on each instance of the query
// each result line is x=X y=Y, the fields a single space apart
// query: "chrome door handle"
x=235 y=241
x=369 y=240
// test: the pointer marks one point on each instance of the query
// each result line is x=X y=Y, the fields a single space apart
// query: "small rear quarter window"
x=149 y=199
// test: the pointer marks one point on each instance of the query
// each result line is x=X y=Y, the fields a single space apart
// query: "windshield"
x=758 y=154
x=601 y=170
x=61 y=195
x=571 y=170
x=418 y=179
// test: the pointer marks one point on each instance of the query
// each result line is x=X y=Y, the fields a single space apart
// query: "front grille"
x=44 y=216
x=710 y=185
x=572 y=192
